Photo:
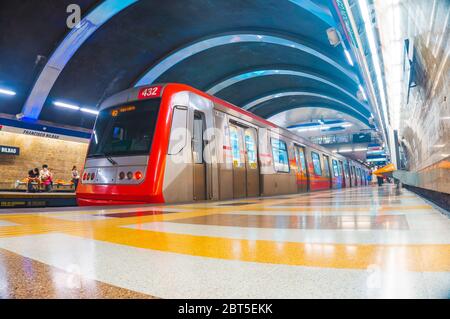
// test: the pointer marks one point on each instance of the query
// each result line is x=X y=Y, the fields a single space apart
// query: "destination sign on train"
x=122 y=109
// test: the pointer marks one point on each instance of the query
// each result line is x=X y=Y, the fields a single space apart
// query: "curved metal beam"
x=351 y=113
x=318 y=11
x=66 y=49
x=306 y=105
x=272 y=96
x=180 y=55
x=253 y=74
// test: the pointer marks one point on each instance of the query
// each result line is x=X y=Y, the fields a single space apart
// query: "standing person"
x=380 y=180
x=75 y=177
x=46 y=178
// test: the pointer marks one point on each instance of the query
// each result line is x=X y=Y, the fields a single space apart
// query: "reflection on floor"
x=355 y=243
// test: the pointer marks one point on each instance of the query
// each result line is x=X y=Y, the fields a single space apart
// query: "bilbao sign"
x=9 y=150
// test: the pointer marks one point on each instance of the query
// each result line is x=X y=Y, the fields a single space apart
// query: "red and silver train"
x=172 y=143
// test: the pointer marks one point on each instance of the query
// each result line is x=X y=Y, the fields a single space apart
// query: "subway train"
x=171 y=143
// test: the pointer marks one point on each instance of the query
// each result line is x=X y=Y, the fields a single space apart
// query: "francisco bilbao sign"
x=9 y=150
x=44 y=134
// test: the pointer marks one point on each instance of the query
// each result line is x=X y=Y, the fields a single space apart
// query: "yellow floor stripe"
x=389 y=257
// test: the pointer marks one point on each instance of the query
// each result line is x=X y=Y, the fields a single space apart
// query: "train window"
x=326 y=159
x=335 y=168
x=280 y=155
x=300 y=158
x=197 y=137
x=235 y=146
x=250 y=147
x=316 y=163
x=340 y=168
x=178 y=130
x=125 y=129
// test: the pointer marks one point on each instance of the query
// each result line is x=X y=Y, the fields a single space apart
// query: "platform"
x=41 y=199
x=354 y=243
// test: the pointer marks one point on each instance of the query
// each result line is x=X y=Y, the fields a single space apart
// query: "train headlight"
x=84 y=176
x=138 y=175
x=130 y=175
x=92 y=175
x=121 y=175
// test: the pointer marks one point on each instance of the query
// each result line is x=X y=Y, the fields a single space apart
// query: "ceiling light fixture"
x=348 y=56
x=66 y=105
x=75 y=107
x=7 y=92
x=84 y=109
x=363 y=93
x=364 y=8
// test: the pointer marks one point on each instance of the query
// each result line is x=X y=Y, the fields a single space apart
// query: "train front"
x=125 y=156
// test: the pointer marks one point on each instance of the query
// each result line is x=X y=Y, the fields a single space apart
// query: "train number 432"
x=149 y=92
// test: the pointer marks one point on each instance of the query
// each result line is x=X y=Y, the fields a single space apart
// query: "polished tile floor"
x=366 y=242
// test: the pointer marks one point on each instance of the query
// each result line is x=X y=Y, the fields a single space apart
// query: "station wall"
x=425 y=123
x=59 y=155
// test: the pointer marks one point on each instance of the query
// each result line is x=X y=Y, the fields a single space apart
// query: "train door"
x=336 y=176
x=343 y=174
x=326 y=165
x=302 y=169
x=251 y=161
x=199 y=164
x=239 y=167
x=348 y=177
x=354 y=180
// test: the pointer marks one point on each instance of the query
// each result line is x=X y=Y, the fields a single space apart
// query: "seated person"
x=46 y=178
x=31 y=181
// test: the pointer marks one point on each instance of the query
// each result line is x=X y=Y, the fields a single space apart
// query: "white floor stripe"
x=7 y=223
x=441 y=236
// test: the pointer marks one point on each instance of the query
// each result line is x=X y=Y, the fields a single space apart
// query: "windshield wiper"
x=110 y=159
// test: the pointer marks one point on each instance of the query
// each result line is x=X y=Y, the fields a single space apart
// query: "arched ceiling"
x=291 y=118
x=268 y=56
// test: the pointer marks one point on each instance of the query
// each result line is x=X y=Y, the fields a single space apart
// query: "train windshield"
x=125 y=129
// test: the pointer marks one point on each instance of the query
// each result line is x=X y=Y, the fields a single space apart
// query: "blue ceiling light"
x=66 y=49
x=380 y=159
x=7 y=92
x=332 y=125
x=182 y=54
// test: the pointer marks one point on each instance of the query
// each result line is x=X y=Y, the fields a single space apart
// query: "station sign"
x=150 y=92
x=43 y=133
x=9 y=150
